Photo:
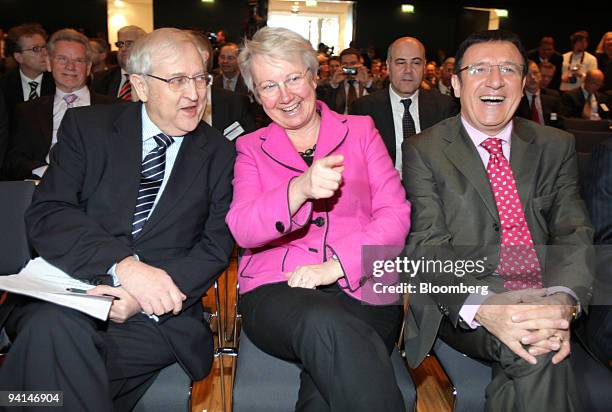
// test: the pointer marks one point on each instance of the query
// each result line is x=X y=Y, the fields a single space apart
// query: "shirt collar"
x=26 y=79
x=150 y=129
x=478 y=137
x=81 y=93
x=396 y=98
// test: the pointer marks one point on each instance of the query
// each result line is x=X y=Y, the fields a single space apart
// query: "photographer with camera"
x=577 y=62
x=348 y=83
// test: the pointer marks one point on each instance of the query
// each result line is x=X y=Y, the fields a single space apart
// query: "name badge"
x=604 y=107
x=233 y=131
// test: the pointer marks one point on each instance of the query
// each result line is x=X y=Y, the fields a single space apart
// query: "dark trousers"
x=516 y=386
x=342 y=344
x=100 y=366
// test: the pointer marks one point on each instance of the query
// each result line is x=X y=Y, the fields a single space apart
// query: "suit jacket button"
x=280 y=227
x=496 y=227
x=363 y=280
x=319 y=221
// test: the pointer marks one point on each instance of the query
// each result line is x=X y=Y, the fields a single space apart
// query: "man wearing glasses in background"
x=36 y=122
x=28 y=45
x=115 y=82
x=134 y=200
x=485 y=186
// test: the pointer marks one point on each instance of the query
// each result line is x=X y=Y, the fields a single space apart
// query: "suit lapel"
x=340 y=101
x=425 y=110
x=190 y=159
x=464 y=156
x=387 y=125
x=45 y=119
x=523 y=157
x=127 y=155
x=276 y=145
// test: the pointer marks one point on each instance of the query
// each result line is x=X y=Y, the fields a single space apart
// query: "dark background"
x=439 y=24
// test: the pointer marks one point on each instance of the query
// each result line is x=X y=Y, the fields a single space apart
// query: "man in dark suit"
x=115 y=82
x=230 y=113
x=598 y=195
x=29 y=81
x=230 y=78
x=546 y=53
x=350 y=82
x=406 y=63
x=573 y=102
x=36 y=122
x=138 y=192
x=535 y=105
x=471 y=204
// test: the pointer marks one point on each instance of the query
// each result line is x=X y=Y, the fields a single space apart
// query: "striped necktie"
x=151 y=177
x=33 y=93
x=126 y=90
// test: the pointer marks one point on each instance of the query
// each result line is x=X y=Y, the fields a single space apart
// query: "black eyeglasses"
x=35 y=49
x=179 y=83
x=121 y=44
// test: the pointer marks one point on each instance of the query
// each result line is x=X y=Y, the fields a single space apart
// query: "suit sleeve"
x=20 y=158
x=195 y=273
x=57 y=224
x=4 y=130
x=599 y=194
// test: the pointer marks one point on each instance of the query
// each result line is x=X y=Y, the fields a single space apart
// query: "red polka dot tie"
x=518 y=262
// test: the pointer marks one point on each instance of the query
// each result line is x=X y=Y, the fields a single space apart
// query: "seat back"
x=15 y=199
x=587 y=140
x=586 y=125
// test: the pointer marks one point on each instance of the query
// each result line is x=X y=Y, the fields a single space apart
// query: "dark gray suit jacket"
x=433 y=107
x=90 y=190
x=453 y=210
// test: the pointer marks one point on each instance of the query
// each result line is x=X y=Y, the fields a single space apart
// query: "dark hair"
x=489 y=36
x=579 y=35
x=349 y=51
x=16 y=33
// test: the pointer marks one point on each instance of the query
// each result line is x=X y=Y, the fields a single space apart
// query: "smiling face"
x=179 y=112
x=291 y=109
x=69 y=65
x=488 y=101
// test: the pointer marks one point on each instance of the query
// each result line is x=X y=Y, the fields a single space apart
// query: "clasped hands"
x=529 y=322
x=144 y=288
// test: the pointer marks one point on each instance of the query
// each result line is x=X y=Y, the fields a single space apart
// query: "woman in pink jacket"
x=310 y=190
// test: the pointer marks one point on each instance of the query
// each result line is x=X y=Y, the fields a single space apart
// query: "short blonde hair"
x=276 y=43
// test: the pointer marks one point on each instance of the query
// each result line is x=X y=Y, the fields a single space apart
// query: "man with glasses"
x=136 y=196
x=28 y=45
x=36 y=122
x=403 y=109
x=115 y=82
x=486 y=187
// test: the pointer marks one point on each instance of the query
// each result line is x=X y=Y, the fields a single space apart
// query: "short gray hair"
x=160 y=40
x=69 y=35
x=276 y=43
x=135 y=29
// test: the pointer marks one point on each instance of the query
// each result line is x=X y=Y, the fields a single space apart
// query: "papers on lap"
x=40 y=279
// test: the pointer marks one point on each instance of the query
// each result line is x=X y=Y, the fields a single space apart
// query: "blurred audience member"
x=115 y=82
x=28 y=45
x=547 y=72
x=587 y=102
x=230 y=78
x=576 y=62
x=100 y=51
x=446 y=73
x=37 y=122
x=536 y=106
x=546 y=53
x=604 y=57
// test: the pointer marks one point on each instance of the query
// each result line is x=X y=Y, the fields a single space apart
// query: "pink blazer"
x=370 y=208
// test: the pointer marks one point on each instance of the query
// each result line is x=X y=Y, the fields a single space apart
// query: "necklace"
x=308 y=152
